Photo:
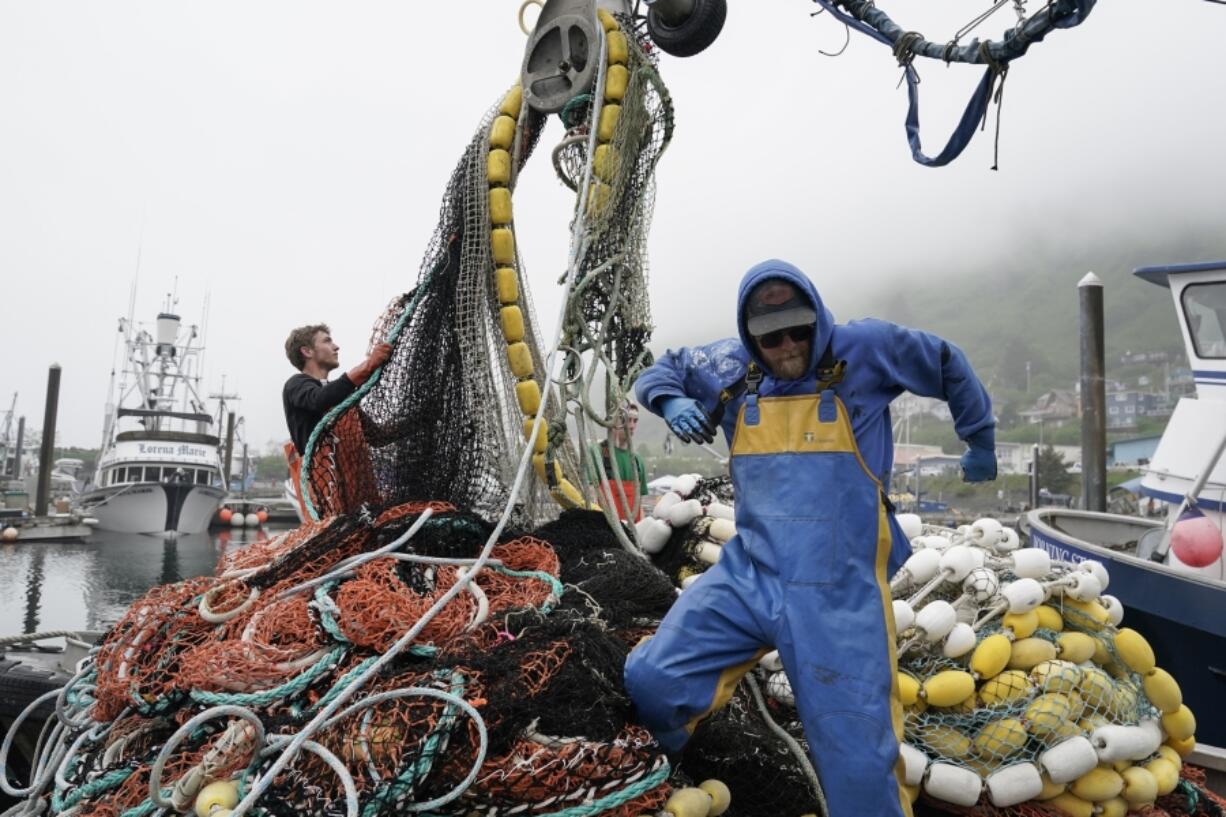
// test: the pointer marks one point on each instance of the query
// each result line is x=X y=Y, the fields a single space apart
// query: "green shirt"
x=624 y=469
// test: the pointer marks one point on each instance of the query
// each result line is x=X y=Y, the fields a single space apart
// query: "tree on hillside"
x=1054 y=473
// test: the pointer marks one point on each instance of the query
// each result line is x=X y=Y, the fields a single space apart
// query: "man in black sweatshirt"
x=308 y=395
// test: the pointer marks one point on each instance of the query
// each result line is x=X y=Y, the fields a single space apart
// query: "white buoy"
x=771 y=662
x=904 y=616
x=953 y=784
x=921 y=566
x=1115 y=742
x=722 y=530
x=660 y=511
x=237 y=520
x=911 y=524
x=721 y=511
x=958 y=561
x=1023 y=595
x=652 y=534
x=936 y=619
x=709 y=553
x=1014 y=784
x=685 y=484
x=780 y=688
x=931 y=541
x=683 y=513
x=1083 y=586
x=985 y=532
x=1031 y=563
x=689 y=580
x=10 y=534
x=1100 y=572
x=1008 y=541
x=915 y=763
x=1069 y=759
x=981 y=583
x=960 y=641
x=1115 y=610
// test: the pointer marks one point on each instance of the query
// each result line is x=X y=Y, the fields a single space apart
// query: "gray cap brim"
x=796 y=316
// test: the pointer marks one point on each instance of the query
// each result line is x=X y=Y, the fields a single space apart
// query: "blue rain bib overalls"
x=805 y=574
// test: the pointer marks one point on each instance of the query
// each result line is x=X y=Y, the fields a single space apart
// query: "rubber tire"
x=19 y=684
x=693 y=36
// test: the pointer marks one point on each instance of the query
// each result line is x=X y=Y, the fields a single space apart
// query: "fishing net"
x=444 y=419
x=735 y=745
x=538 y=660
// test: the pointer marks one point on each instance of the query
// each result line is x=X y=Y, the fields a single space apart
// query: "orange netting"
x=376 y=607
x=341 y=479
x=140 y=658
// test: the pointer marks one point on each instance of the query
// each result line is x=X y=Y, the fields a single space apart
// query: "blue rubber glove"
x=687 y=419
x=979 y=460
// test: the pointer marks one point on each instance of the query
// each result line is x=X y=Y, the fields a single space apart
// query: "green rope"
x=556 y=587
x=94 y=787
x=326 y=606
x=417 y=772
x=617 y=798
x=143 y=810
x=269 y=696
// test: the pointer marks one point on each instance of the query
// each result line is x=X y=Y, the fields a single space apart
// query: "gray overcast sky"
x=289 y=157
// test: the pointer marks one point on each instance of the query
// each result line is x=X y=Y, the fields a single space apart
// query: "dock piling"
x=46 y=453
x=1093 y=395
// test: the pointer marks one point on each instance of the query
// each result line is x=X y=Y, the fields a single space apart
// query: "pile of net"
x=510 y=700
x=1023 y=694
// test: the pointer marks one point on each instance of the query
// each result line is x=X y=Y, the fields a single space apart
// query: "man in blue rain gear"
x=805 y=406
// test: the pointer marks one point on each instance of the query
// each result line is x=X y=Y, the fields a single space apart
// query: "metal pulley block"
x=562 y=54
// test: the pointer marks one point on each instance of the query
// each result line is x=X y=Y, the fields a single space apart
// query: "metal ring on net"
x=571 y=355
x=524 y=7
x=867 y=18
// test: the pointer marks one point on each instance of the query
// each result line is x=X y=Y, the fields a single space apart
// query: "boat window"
x=1204 y=306
x=202 y=477
x=151 y=473
x=133 y=474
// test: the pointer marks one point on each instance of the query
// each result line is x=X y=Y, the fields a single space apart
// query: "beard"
x=792 y=367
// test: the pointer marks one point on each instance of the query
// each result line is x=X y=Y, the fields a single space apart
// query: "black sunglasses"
x=798 y=334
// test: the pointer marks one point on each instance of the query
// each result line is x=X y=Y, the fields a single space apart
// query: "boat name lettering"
x=170 y=450
x=1053 y=549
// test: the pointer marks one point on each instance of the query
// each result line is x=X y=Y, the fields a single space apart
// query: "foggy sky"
x=289 y=158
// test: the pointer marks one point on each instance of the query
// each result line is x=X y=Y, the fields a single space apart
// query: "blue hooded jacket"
x=884 y=360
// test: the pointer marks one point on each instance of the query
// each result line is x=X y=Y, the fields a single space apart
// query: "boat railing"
x=120 y=492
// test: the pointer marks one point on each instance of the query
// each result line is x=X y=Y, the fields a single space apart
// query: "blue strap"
x=827 y=409
x=1062 y=14
x=753 y=415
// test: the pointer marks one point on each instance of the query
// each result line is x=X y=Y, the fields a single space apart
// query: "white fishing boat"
x=1170 y=574
x=160 y=468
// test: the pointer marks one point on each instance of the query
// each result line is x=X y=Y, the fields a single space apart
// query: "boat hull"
x=154 y=508
x=1183 y=617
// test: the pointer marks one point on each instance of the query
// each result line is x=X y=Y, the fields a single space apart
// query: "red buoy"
x=1196 y=541
x=225 y=514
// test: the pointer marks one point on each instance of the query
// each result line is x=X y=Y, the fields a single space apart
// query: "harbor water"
x=87 y=585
